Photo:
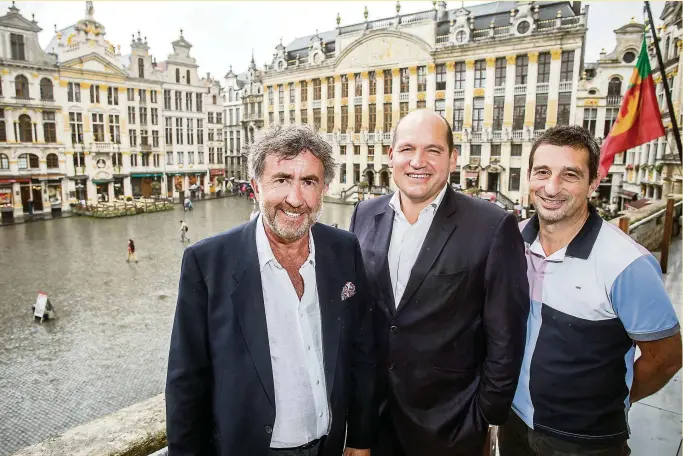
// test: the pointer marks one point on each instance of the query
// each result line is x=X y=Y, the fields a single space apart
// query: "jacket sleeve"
x=362 y=411
x=352 y=225
x=188 y=382
x=506 y=310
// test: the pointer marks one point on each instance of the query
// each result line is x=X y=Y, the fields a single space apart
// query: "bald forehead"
x=418 y=122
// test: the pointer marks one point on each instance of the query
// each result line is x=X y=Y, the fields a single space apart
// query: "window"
x=190 y=131
x=143 y=116
x=541 y=111
x=475 y=150
x=356 y=150
x=153 y=95
x=177 y=75
x=4 y=161
x=518 y=111
x=210 y=117
x=421 y=104
x=501 y=68
x=358 y=85
x=421 y=78
x=145 y=159
x=356 y=173
x=113 y=95
x=200 y=103
x=543 y=67
x=157 y=160
x=614 y=87
x=344 y=86
x=232 y=141
x=567 y=66
x=610 y=118
x=317 y=89
x=372 y=82
x=478 y=114
x=131 y=114
x=441 y=77
x=142 y=95
x=179 y=130
x=342 y=150
x=200 y=131
x=342 y=173
x=304 y=116
x=271 y=117
x=458 y=113
x=270 y=95
x=28 y=161
x=213 y=98
x=402 y=109
x=167 y=99
x=440 y=107
x=589 y=118
x=357 y=119
x=25 y=128
x=73 y=92
x=190 y=157
x=178 y=101
x=388 y=82
x=181 y=158
x=133 y=160
x=330 y=119
x=169 y=157
x=46 y=92
x=212 y=156
x=460 y=76
x=344 y=119
x=372 y=117
x=495 y=150
x=404 y=80
x=17 y=46
x=117 y=159
x=155 y=138
x=521 y=69
x=188 y=101
x=155 y=115
x=76 y=126
x=168 y=131
x=316 y=118
x=516 y=150
x=387 y=118
x=564 y=108
x=141 y=67
x=479 y=74
x=292 y=117
x=94 y=93
x=187 y=77
x=49 y=127
x=304 y=91
x=3 y=127
x=21 y=86
x=130 y=94
x=371 y=153
x=132 y=137
x=515 y=173
x=498 y=113
x=281 y=94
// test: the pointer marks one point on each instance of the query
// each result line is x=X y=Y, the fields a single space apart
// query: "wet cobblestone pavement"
x=108 y=347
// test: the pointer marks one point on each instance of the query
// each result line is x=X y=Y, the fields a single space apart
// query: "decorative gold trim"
x=344 y=101
x=421 y=96
x=555 y=54
x=412 y=70
x=292 y=106
x=63 y=83
x=395 y=71
x=440 y=94
x=35 y=75
x=5 y=71
x=591 y=102
x=364 y=74
x=469 y=64
x=431 y=68
x=337 y=78
x=479 y=92
x=490 y=61
x=85 y=85
x=350 y=76
x=511 y=59
x=450 y=66
x=533 y=57
x=270 y=108
x=387 y=98
x=372 y=98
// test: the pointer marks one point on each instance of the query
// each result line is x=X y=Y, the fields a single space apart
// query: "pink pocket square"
x=348 y=291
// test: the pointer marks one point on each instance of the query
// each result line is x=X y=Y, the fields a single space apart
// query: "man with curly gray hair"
x=272 y=352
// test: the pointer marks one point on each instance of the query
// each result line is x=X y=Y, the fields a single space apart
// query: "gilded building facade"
x=500 y=73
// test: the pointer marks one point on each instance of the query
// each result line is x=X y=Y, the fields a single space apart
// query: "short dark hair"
x=575 y=137
x=449 y=134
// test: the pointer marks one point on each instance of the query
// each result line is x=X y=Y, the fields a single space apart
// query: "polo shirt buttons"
x=392 y=366
x=393 y=329
x=269 y=430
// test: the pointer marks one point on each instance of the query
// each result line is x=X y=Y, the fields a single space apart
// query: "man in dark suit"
x=272 y=351
x=447 y=274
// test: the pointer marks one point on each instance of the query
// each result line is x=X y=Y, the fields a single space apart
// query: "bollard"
x=624 y=223
x=666 y=239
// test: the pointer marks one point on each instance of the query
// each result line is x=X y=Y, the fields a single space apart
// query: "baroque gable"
x=384 y=48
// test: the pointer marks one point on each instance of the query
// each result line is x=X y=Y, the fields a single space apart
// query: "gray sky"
x=224 y=33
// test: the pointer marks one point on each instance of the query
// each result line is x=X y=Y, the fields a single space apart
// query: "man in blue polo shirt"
x=595 y=296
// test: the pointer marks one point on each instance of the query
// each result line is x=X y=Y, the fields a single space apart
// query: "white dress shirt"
x=296 y=355
x=406 y=241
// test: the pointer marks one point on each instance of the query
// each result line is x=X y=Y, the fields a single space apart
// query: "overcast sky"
x=224 y=33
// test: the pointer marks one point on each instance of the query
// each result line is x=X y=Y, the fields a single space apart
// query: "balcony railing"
x=497 y=135
x=358 y=100
x=403 y=96
x=614 y=100
x=520 y=89
x=459 y=93
x=316 y=104
x=538 y=133
x=344 y=137
x=372 y=137
x=542 y=87
x=476 y=136
x=386 y=136
x=499 y=91
x=145 y=147
x=329 y=137
x=102 y=147
x=517 y=135
x=565 y=86
x=442 y=39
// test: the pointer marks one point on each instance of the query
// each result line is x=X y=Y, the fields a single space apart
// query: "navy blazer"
x=220 y=397
x=450 y=353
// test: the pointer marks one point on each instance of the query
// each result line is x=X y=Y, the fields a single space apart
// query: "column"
x=450 y=87
x=352 y=105
x=16 y=197
x=395 y=90
x=431 y=85
x=365 y=114
x=575 y=78
x=553 y=87
x=91 y=188
x=412 y=89
x=323 y=104
x=266 y=107
x=379 y=107
x=488 y=92
x=469 y=93
x=40 y=134
x=337 y=103
x=309 y=103
x=532 y=77
x=9 y=125
x=297 y=102
x=47 y=207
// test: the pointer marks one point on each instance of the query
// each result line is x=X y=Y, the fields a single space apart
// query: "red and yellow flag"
x=639 y=120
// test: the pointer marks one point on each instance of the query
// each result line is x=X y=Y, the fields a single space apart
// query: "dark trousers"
x=312 y=449
x=515 y=438
x=387 y=441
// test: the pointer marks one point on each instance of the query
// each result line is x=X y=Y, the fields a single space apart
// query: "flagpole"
x=667 y=93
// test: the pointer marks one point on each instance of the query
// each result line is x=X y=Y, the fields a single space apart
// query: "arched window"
x=214 y=99
x=666 y=47
x=46 y=92
x=614 y=87
x=33 y=161
x=187 y=76
x=4 y=161
x=141 y=68
x=177 y=75
x=21 y=86
x=25 y=128
x=52 y=161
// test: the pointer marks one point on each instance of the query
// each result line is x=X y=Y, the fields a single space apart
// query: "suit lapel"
x=384 y=222
x=247 y=299
x=439 y=232
x=327 y=278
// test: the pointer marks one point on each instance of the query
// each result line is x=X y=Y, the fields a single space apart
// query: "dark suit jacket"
x=219 y=388
x=450 y=356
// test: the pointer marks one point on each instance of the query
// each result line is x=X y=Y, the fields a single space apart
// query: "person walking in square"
x=183 y=232
x=131 y=251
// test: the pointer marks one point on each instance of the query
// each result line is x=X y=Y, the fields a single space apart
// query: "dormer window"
x=17 y=46
x=141 y=68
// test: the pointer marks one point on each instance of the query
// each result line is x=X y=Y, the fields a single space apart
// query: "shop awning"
x=217 y=172
x=12 y=180
x=102 y=181
x=146 y=174
x=471 y=175
x=49 y=177
x=626 y=194
x=78 y=178
x=189 y=172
